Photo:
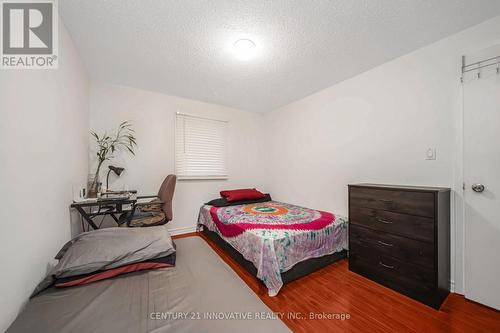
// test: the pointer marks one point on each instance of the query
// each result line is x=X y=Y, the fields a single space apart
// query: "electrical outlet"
x=430 y=154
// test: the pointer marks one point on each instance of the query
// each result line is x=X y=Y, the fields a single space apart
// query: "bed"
x=275 y=241
x=191 y=297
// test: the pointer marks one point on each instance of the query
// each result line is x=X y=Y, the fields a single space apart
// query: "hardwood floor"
x=370 y=306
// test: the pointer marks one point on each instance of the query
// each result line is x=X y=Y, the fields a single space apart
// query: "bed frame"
x=299 y=270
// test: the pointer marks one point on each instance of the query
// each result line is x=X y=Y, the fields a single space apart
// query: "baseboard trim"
x=180 y=231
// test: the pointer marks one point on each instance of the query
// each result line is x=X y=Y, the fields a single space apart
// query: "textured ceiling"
x=183 y=47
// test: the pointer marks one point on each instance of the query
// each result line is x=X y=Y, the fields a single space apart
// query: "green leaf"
x=108 y=144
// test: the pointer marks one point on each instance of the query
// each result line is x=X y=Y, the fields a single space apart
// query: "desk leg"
x=87 y=218
x=115 y=218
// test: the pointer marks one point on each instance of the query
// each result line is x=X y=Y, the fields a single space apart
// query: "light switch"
x=430 y=154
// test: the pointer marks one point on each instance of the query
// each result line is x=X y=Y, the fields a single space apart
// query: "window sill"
x=202 y=178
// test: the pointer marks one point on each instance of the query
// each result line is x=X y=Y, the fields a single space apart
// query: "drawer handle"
x=384 y=221
x=386 y=266
x=385 y=244
x=388 y=203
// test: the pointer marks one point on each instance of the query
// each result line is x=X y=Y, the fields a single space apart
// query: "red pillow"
x=241 y=194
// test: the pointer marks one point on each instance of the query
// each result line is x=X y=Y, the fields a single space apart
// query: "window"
x=200 y=147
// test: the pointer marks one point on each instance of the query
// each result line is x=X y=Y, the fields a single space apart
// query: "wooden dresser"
x=399 y=236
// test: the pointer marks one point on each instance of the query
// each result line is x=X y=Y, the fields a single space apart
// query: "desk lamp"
x=116 y=170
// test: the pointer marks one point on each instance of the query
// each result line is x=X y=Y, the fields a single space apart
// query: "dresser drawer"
x=416 y=227
x=392 y=272
x=406 y=249
x=415 y=203
x=396 y=235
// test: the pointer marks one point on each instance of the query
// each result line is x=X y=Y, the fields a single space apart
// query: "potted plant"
x=107 y=145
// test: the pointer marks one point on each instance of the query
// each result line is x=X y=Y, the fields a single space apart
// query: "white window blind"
x=200 y=148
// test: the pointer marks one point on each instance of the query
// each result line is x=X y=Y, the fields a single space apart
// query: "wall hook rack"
x=478 y=65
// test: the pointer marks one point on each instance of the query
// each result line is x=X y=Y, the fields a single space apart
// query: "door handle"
x=478 y=188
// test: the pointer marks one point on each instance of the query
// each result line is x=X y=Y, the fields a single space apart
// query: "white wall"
x=153 y=118
x=43 y=151
x=376 y=127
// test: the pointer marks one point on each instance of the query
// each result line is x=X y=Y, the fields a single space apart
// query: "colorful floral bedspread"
x=275 y=236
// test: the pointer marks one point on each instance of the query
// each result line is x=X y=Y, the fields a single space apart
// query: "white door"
x=482 y=169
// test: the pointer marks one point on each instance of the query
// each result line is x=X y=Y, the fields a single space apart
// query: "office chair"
x=157 y=211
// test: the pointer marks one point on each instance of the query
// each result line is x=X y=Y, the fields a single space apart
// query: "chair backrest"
x=166 y=194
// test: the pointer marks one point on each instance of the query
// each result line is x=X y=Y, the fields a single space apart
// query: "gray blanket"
x=108 y=248
x=200 y=294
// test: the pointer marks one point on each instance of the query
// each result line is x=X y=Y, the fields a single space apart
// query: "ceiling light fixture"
x=245 y=49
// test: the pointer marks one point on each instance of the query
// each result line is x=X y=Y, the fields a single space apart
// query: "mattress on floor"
x=200 y=294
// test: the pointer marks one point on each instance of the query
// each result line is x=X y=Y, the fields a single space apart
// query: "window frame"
x=225 y=148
